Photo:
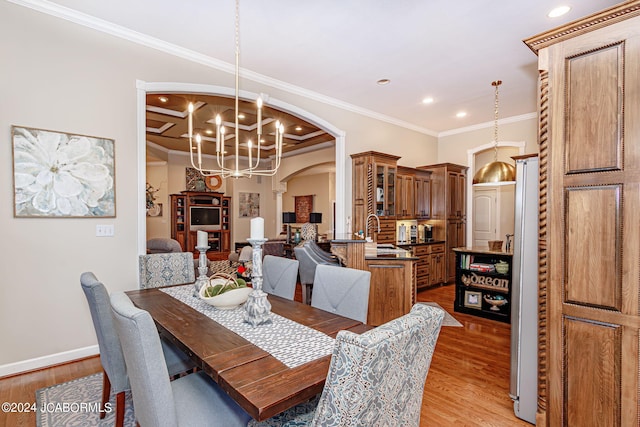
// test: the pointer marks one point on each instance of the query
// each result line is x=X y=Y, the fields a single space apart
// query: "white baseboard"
x=46 y=361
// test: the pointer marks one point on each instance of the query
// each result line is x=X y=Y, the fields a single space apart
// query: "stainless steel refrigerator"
x=524 y=292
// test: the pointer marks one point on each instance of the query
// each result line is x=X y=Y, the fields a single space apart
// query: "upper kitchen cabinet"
x=405 y=193
x=422 y=192
x=374 y=188
x=589 y=250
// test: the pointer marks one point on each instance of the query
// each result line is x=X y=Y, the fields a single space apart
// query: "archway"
x=143 y=88
x=471 y=161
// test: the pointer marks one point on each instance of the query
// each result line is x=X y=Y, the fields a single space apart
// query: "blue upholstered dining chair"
x=309 y=260
x=341 y=290
x=376 y=378
x=114 y=372
x=192 y=400
x=279 y=276
x=164 y=269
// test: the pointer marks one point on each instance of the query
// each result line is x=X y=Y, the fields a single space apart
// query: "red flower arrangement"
x=242 y=269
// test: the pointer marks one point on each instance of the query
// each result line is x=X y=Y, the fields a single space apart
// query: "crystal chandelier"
x=253 y=166
x=495 y=173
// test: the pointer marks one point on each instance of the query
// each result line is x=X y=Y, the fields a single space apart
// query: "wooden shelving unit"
x=186 y=235
x=483 y=293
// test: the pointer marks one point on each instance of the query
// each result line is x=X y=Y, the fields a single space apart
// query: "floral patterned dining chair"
x=376 y=378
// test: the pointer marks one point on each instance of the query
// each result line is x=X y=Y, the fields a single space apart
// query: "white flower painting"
x=62 y=175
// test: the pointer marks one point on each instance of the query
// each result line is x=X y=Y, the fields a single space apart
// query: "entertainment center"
x=192 y=211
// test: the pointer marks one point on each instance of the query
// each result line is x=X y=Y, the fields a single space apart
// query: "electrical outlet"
x=105 y=230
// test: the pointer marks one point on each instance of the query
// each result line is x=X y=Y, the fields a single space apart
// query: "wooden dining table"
x=261 y=384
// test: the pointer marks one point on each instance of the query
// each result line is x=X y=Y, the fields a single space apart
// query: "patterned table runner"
x=290 y=342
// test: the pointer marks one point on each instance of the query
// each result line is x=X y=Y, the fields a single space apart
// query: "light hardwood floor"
x=467 y=385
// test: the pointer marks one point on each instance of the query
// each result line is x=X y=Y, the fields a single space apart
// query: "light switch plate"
x=105 y=230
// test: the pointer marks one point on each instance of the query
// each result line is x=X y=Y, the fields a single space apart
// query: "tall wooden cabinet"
x=589 y=243
x=448 y=206
x=374 y=192
x=185 y=233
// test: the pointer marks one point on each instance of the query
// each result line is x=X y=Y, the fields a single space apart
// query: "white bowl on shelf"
x=228 y=300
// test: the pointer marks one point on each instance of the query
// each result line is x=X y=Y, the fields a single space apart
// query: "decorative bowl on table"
x=225 y=292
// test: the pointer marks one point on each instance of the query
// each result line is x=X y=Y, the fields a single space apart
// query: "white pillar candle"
x=203 y=238
x=257 y=228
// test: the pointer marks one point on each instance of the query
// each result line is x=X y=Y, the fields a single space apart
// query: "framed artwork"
x=195 y=181
x=248 y=205
x=62 y=175
x=155 y=210
x=473 y=299
x=303 y=207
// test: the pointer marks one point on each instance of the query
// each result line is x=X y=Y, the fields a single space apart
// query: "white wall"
x=65 y=77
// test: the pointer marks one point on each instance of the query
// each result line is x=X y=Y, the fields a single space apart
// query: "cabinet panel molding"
x=595 y=83
x=594 y=348
x=592 y=224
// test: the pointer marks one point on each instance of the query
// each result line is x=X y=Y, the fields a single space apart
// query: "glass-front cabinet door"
x=385 y=190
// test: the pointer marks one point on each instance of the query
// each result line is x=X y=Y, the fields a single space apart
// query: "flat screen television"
x=204 y=218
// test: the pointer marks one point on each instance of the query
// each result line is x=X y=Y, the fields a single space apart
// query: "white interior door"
x=484 y=215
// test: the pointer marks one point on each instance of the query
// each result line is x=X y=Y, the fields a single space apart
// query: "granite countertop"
x=386 y=253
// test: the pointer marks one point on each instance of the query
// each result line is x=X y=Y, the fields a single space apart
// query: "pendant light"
x=495 y=173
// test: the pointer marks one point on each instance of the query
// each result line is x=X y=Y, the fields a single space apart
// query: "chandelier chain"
x=496 y=83
x=253 y=163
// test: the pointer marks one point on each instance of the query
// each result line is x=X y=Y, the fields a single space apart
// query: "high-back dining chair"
x=173 y=268
x=342 y=290
x=113 y=365
x=374 y=379
x=279 y=276
x=193 y=400
x=308 y=263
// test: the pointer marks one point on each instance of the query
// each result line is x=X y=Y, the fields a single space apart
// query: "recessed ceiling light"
x=461 y=114
x=427 y=100
x=163 y=99
x=241 y=116
x=298 y=128
x=383 y=82
x=558 y=11
x=208 y=132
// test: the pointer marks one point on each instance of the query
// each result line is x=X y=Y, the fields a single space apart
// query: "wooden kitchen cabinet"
x=405 y=194
x=422 y=195
x=393 y=290
x=430 y=266
x=437 y=265
x=448 y=205
x=373 y=188
x=589 y=251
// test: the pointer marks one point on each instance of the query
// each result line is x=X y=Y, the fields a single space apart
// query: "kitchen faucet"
x=366 y=223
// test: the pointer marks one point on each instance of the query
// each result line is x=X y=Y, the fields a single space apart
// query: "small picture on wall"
x=62 y=175
x=248 y=205
x=303 y=207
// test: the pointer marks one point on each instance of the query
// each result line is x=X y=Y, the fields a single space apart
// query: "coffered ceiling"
x=167 y=125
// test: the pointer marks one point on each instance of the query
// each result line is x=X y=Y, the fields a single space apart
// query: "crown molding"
x=513 y=119
x=89 y=21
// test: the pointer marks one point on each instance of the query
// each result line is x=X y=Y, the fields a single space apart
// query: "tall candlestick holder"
x=202 y=279
x=257 y=308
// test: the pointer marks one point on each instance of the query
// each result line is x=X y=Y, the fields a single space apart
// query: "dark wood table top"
x=262 y=385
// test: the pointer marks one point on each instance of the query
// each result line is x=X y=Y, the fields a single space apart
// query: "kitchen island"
x=393 y=276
